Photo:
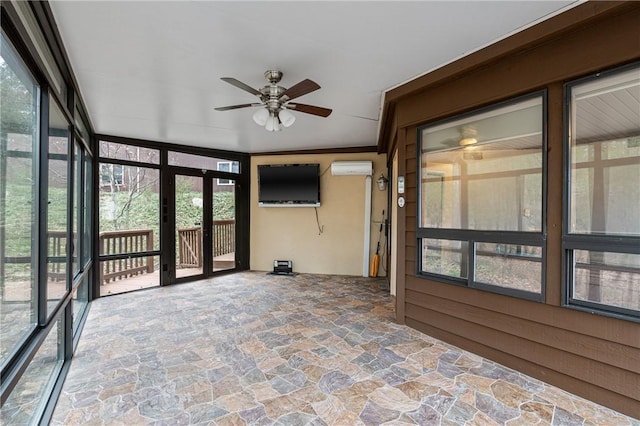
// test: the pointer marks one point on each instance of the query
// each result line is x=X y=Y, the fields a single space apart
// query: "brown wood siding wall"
x=594 y=356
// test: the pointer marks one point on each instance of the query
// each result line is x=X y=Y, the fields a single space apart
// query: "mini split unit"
x=352 y=168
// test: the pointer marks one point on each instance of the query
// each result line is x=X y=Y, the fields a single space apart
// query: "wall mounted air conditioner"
x=352 y=168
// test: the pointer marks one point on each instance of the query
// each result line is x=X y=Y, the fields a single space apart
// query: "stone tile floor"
x=250 y=348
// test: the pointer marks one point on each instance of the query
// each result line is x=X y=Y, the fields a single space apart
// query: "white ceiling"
x=151 y=69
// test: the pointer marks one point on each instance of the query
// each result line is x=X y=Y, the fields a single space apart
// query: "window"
x=481 y=211
x=41 y=219
x=77 y=204
x=57 y=206
x=28 y=398
x=111 y=176
x=132 y=205
x=87 y=209
x=124 y=152
x=602 y=231
x=18 y=201
x=229 y=167
x=202 y=162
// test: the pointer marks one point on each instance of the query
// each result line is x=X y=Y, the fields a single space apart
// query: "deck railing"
x=190 y=243
x=224 y=237
x=141 y=240
x=56 y=253
x=117 y=242
x=189 y=248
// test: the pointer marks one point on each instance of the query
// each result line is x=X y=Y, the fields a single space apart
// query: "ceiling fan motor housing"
x=273 y=76
x=271 y=96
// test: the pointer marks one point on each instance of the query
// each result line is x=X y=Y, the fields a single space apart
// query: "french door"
x=200 y=220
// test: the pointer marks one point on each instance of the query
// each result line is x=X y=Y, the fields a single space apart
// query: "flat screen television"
x=289 y=185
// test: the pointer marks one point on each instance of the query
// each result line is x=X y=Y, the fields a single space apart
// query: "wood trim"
x=547 y=334
x=529 y=38
x=529 y=70
x=585 y=369
x=401 y=234
x=553 y=254
x=619 y=402
x=388 y=132
x=600 y=327
x=549 y=32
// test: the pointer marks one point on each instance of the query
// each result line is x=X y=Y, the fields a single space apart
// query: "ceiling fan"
x=468 y=136
x=276 y=101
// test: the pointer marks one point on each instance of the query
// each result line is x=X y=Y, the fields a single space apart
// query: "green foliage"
x=17 y=109
x=143 y=212
x=224 y=206
x=19 y=218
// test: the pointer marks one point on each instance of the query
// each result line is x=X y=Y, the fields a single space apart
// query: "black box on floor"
x=283 y=267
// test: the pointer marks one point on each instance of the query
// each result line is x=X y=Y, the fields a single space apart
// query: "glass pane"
x=118 y=151
x=77 y=213
x=484 y=172
x=18 y=223
x=224 y=226
x=57 y=208
x=79 y=302
x=609 y=278
x=202 y=162
x=88 y=215
x=510 y=266
x=605 y=156
x=188 y=223
x=129 y=209
x=445 y=257
x=122 y=275
x=34 y=387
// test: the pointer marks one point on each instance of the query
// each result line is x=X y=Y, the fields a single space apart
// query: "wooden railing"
x=190 y=243
x=56 y=255
x=141 y=240
x=189 y=248
x=118 y=242
x=224 y=237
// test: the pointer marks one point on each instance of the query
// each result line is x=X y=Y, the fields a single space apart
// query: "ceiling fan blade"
x=302 y=88
x=310 y=109
x=241 y=85
x=227 y=108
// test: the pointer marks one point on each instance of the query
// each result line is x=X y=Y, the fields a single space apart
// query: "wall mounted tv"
x=289 y=185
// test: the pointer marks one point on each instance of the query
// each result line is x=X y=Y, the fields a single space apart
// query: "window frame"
x=15 y=58
x=473 y=236
x=614 y=243
x=25 y=26
x=226 y=181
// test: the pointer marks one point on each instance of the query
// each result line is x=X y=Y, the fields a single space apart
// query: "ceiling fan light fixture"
x=261 y=116
x=286 y=118
x=469 y=136
x=468 y=141
x=273 y=124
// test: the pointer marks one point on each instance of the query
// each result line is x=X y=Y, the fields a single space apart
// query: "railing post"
x=101 y=251
x=149 y=248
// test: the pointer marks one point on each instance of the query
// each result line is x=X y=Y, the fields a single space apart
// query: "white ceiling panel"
x=151 y=69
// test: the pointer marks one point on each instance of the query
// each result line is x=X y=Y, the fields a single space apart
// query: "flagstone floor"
x=251 y=348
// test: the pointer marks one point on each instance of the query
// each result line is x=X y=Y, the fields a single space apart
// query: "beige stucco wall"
x=290 y=233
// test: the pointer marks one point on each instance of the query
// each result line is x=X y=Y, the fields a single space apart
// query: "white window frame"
x=230 y=167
